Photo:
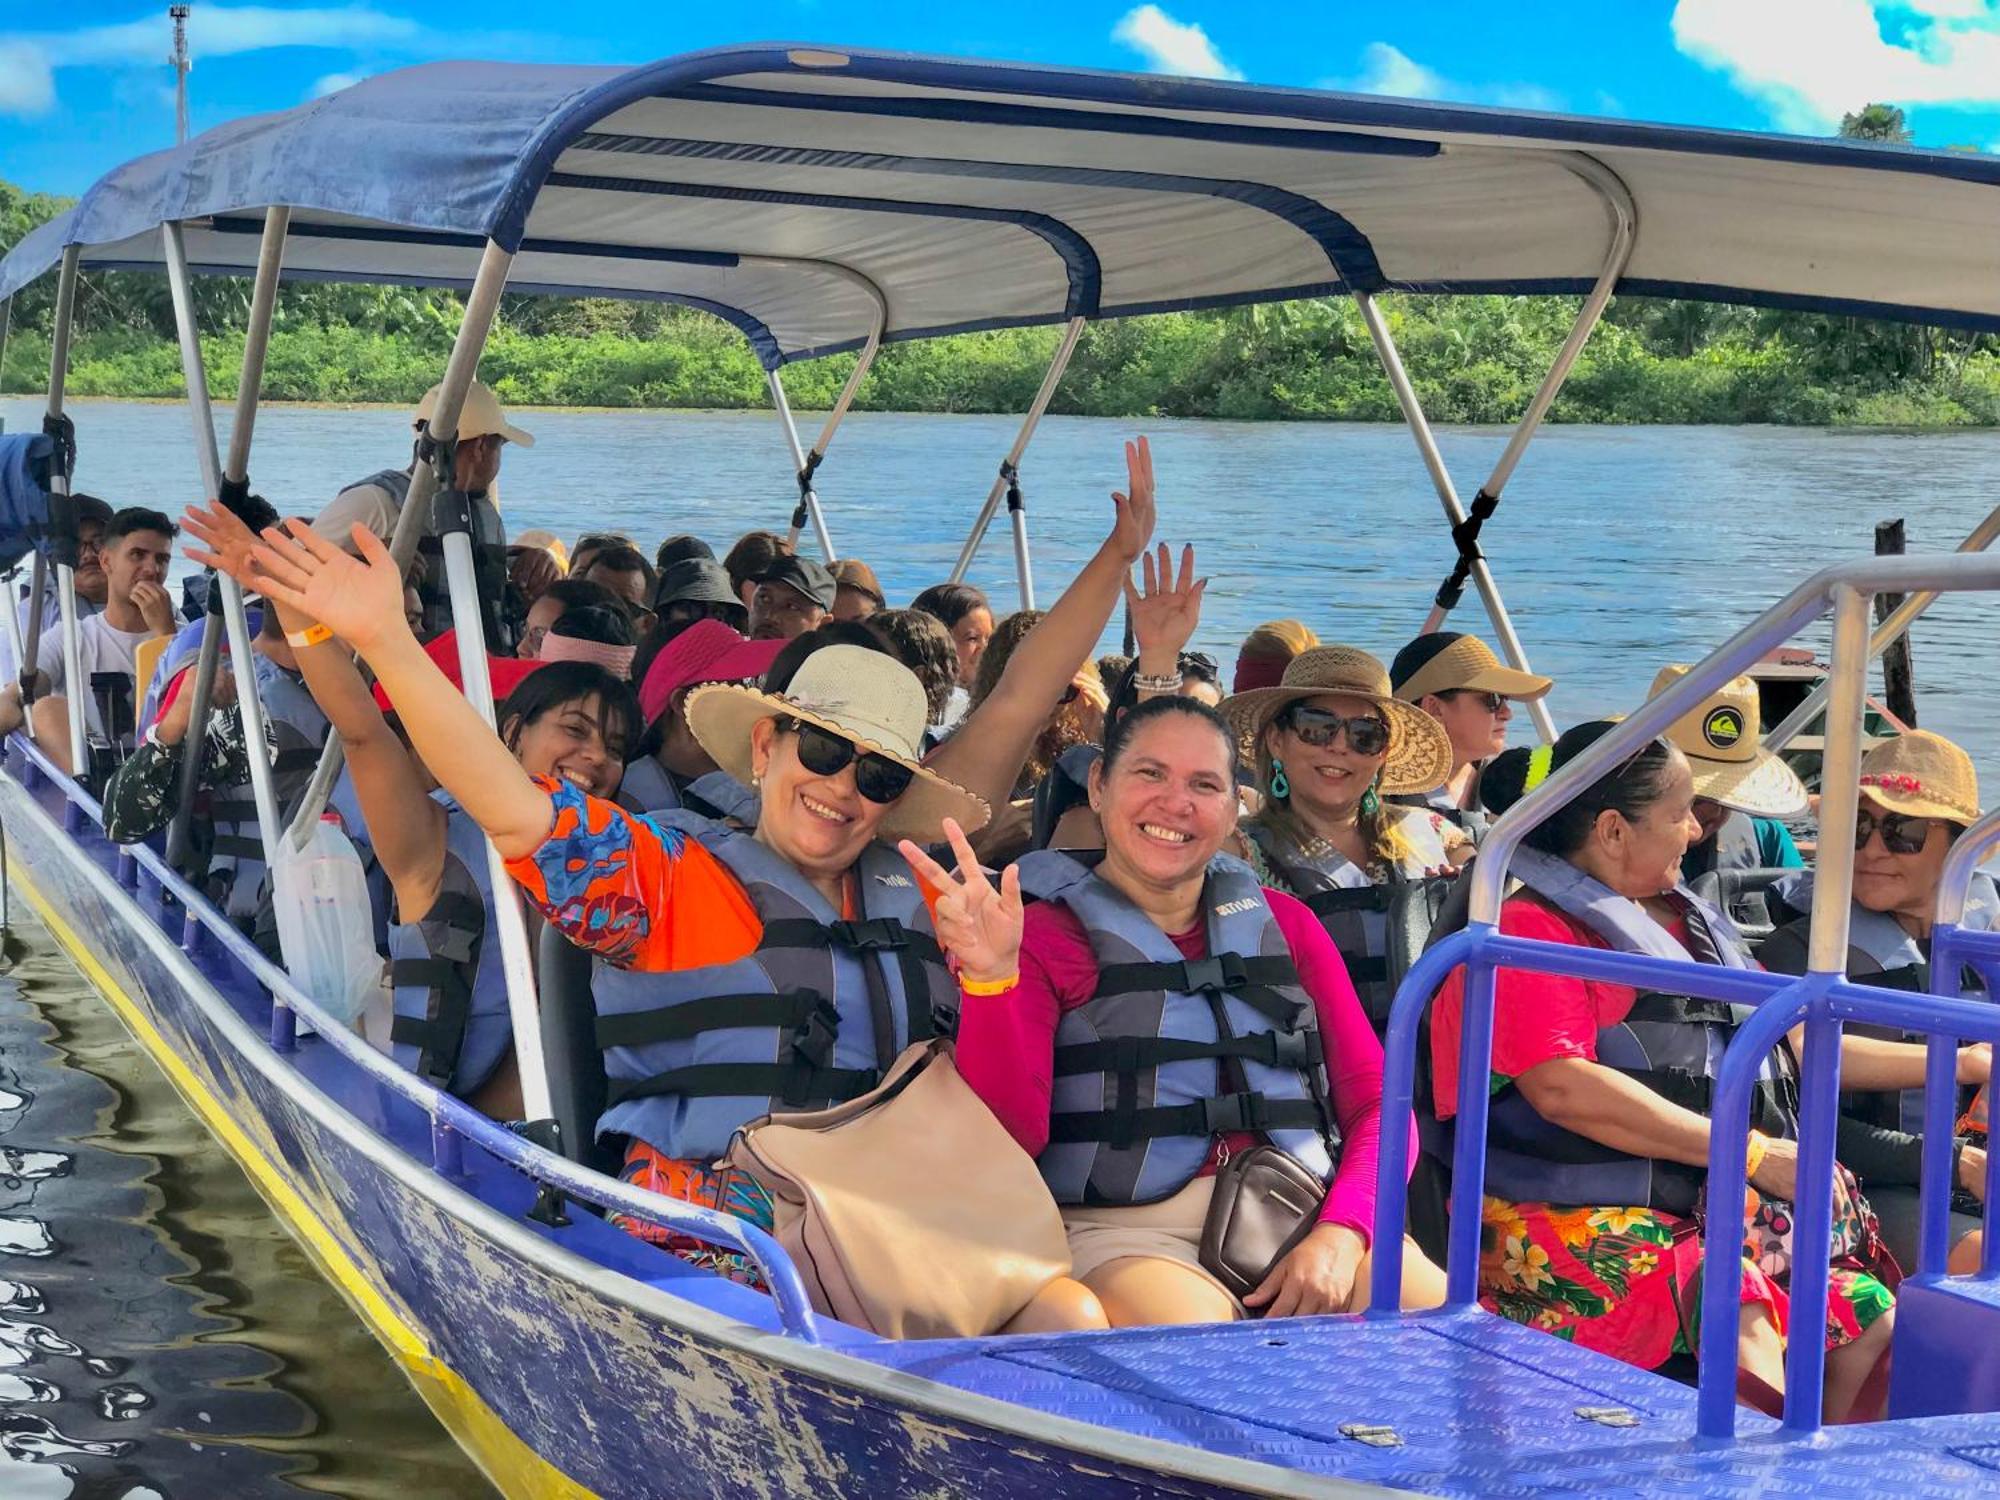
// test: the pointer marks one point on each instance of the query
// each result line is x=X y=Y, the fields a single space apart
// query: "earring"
x=1370 y=803
x=1281 y=784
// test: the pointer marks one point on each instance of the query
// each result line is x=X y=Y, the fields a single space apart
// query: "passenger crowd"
x=770 y=806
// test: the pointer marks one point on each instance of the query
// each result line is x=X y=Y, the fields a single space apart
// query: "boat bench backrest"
x=577 y=1089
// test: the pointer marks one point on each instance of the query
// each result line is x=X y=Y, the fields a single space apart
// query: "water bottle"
x=320 y=894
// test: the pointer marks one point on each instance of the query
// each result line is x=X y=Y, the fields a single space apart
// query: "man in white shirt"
x=137 y=547
x=92 y=515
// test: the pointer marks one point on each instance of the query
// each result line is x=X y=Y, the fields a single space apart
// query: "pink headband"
x=617 y=660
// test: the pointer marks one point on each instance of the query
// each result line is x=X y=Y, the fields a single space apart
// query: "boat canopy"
x=813 y=196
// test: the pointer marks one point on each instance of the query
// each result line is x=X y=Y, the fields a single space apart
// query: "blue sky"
x=85 y=85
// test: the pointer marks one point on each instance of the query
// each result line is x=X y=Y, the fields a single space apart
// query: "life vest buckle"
x=813 y=1037
x=875 y=935
x=1234 y=1112
x=1217 y=974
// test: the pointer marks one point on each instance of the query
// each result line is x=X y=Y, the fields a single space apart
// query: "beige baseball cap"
x=1448 y=662
x=1721 y=740
x=480 y=416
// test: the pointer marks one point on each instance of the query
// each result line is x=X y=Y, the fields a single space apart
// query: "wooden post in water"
x=1899 y=688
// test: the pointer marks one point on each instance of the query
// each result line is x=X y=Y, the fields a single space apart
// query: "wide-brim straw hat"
x=1419 y=749
x=1722 y=742
x=1922 y=775
x=860 y=695
x=1447 y=662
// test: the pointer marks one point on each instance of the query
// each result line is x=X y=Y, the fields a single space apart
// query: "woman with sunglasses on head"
x=1598 y=1138
x=1115 y=985
x=1331 y=745
x=1919 y=792
x=741 y=972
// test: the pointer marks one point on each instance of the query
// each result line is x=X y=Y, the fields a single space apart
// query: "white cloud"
x=26 y=85
x=1390 y=70
x=1811 y=61
x=332 y=83
x=1171 y=46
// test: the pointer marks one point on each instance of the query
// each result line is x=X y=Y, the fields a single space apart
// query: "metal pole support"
x=1011 y=464
x=72 y=650
x=808 y=499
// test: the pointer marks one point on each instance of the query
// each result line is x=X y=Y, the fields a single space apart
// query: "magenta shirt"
x=1006 y=1043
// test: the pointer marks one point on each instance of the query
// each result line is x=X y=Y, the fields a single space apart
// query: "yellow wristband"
x=989 y=986
x=1753 y=1157
x=312 y=635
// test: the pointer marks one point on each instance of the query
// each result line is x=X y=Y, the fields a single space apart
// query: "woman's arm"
x=1605 y=1106
x=989 y=749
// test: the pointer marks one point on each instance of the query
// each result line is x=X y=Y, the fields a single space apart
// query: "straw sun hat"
x=1922 y=775
x=860 y=695
x=1721 y=740
x=1419 y=749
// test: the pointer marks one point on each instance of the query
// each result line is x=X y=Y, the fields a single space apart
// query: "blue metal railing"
x=1821 y=1001
x=454 y=1122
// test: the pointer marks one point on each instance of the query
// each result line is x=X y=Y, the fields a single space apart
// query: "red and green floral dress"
x=1623 y=1279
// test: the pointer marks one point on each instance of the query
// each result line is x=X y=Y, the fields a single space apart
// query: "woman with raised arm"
x=567 y=720
x=1164 y=975
x=741 y=972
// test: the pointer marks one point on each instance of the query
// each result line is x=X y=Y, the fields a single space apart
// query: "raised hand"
x=359 y=599
x=1136 y=513
x=226 y=543
x=977 y=925
x=1165 y=610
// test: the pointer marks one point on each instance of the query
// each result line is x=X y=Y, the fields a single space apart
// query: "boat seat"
x=1947 y=1348
x=1745 y=897
x=569 y=1046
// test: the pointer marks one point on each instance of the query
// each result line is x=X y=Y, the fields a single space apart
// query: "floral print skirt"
x=1627 y=1281
x=698 y=1183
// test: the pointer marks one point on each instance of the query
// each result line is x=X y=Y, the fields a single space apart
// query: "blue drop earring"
x=1281 y=784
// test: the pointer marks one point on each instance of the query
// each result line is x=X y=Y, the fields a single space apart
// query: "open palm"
x=976 y=924
x=1165 y=609
x=1136 y=510
x=227 y=544
x=359 y=599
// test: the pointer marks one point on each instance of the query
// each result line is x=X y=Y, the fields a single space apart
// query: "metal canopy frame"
x=72 y=650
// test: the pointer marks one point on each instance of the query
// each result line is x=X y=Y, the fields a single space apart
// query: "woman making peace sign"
x=1121 y=954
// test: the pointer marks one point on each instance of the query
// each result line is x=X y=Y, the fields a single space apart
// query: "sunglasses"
x=1491 y=702
x=1366 y=734
x=1901 y=833
x=876 y=777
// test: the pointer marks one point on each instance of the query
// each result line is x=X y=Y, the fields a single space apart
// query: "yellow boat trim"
x=514 y=1467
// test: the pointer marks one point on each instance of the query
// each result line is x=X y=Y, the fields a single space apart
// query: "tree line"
x=1473 y=359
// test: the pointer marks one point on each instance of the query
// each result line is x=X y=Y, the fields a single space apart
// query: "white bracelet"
x=1165 y=683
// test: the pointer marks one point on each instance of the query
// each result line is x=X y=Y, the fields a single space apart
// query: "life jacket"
x=294 y=732
x=452 y=1027
x=649 y=787
x=345 y=803
x=1734 y=847
x=813 y=1017
x=1472 y=821
x=1170 y=1052
x=395 y=481
x=489 y=571
x=1355 y=910
x=1673 y=1044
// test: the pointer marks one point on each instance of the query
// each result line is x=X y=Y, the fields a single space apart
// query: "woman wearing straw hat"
x=1919 y=792
x=741 y=972
x=1331 y=744
x=1213 y=1011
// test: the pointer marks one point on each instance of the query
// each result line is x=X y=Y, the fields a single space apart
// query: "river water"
x=1618 y=549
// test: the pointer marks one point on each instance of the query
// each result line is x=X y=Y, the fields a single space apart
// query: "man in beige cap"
x=1458 y=681
x=1741 y=790
x=375 y=502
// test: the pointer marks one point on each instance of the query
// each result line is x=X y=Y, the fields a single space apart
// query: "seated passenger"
x=969 y=617
x=1104 y=963
x=1598 y=1140
x=557 y=600
x=792 y=596
x=670 y=760
x=137 y=548
x=681 y=547
x=594 y=633
x=857 y=592
x=1331 y=744
x=698 y=589
x=1741 y=790
x=1919 y=792
x=1458 y=681
x=589 y=545
x=1267 y=651
x=920 y=642
x=752 y=556
x=624 y=571
x=93 y=515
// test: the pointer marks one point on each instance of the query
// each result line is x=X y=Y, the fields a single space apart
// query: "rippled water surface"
x=1618 y=548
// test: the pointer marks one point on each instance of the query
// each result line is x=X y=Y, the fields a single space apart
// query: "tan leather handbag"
x=909 y=1211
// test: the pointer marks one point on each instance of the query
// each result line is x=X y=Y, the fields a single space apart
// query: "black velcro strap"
x=1465 y=537
x=1132 y=1054
x=1359 y=898
x=1651 y=1006
x=1226 y=973
x=440 y=1035
x=875 y=935
x=61 y=431
x=464 y=910
x=291 y=762
x=677 y=1023
x=770 y=1080
x=1222 y=1116
x=1012 y=475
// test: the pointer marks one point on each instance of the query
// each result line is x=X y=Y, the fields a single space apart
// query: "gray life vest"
x=345 y=803
x=395 y=481
x=452 y=1027
x=1734 y=847
x=813 y=1017
x=1171 y=1052
x=650 y=787
x=1357 y=912
x=1673 y=1044
x=294 y=732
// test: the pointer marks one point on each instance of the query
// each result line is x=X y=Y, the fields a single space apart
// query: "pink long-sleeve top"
x=1006 y=1043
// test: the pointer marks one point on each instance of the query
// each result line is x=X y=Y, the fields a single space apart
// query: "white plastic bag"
x=320 y=895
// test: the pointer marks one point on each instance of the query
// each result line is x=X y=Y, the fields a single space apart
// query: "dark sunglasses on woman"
x=1366 y=734
x=1491 y=702
x=1901 y=833
x=823 y=753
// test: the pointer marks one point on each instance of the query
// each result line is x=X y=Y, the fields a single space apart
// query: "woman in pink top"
x=1099 y=1027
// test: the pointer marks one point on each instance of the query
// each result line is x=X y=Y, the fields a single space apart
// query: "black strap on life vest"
x=913 y=952
x=447 y=974
x=1255 y=981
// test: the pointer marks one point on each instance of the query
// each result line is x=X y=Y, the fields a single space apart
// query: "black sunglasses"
x=876 y=777
x=1901 y=833
x=1490 y=701
x=1366 y=734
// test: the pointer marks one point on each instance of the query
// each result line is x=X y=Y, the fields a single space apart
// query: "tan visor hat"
x=1447 y=662
x=1721 y=742
x=481 y=415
